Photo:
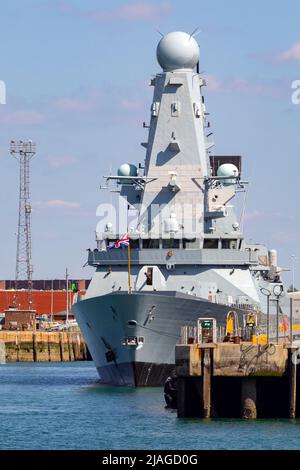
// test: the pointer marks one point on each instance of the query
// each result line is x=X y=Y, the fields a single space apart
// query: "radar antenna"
x=195 y=32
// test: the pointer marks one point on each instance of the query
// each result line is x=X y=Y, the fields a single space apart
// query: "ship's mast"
x=176 y=159
x=182 y=194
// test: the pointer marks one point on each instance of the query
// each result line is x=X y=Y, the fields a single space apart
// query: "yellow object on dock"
x=229 y=326
x=259 y=339
x=232 y=323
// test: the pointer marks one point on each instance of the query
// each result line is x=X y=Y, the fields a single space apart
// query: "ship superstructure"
x=188 y=257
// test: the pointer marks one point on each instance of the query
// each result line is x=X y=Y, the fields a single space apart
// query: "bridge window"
x=134 y=244
x=170 y=243
x=229 y=244
x=191 y=244
x=211 y=243
x=149 y=243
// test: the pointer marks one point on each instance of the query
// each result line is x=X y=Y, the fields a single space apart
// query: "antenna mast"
x=23 y=153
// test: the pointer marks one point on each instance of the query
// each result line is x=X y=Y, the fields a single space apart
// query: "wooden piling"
x=69 y=346
x=77 y=347
x=34 y=347
x=206 y=383
x=181 y=397
x=61 y=348
x=17 y=346
x=248 y=393
x=84 y=352
x=292 y=383
x=74 y=347
x=49 y=347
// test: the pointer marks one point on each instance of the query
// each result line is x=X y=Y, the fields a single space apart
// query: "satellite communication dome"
x=177 y=50
x=228 y=170
x=127 y=170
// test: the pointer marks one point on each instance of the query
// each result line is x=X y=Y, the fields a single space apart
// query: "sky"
x=76 y=75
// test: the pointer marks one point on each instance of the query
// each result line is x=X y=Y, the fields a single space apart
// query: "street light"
x=293 y=258
x=268 y=294
x=277 y=291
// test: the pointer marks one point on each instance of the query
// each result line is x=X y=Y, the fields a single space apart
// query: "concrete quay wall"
x=41 y=346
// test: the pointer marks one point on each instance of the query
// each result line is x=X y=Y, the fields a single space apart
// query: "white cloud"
x=60 y=161
x=262 y=215
x=239 y=85
x=291 y=54
x=126 y=12
x=130 y=12
x=57 y=204
x=22 y=118
x=130 y=104
x=75 y=104
x=287 y=237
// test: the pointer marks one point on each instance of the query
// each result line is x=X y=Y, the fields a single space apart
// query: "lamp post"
x=67 y=296
x=293 y=258
x=291 y=320
x=268 y=294
x=277 y=291
x=51 y=309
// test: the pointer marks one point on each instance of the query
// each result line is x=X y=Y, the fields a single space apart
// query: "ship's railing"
x=207 y=257
x=190 y=334
x=240 y=302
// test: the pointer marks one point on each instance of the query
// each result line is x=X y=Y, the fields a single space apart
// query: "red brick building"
x=45 y=300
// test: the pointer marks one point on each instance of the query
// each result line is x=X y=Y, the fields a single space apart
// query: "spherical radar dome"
x=177 y=50
x=127 y=170
x=228 y=170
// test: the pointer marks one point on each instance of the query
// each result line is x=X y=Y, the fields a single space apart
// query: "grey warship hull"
x=185 y=255
x=106 y=320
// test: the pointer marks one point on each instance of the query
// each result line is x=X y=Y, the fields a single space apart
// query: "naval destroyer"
x=187 y=256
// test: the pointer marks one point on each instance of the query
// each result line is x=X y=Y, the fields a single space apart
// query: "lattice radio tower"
x=23 y=153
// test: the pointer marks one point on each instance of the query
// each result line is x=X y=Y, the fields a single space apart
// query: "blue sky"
x=77 y=83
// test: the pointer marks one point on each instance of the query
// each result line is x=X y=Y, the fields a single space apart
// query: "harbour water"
x=62 y=406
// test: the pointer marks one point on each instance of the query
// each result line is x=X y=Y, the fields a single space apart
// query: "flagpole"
x=129 y=273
